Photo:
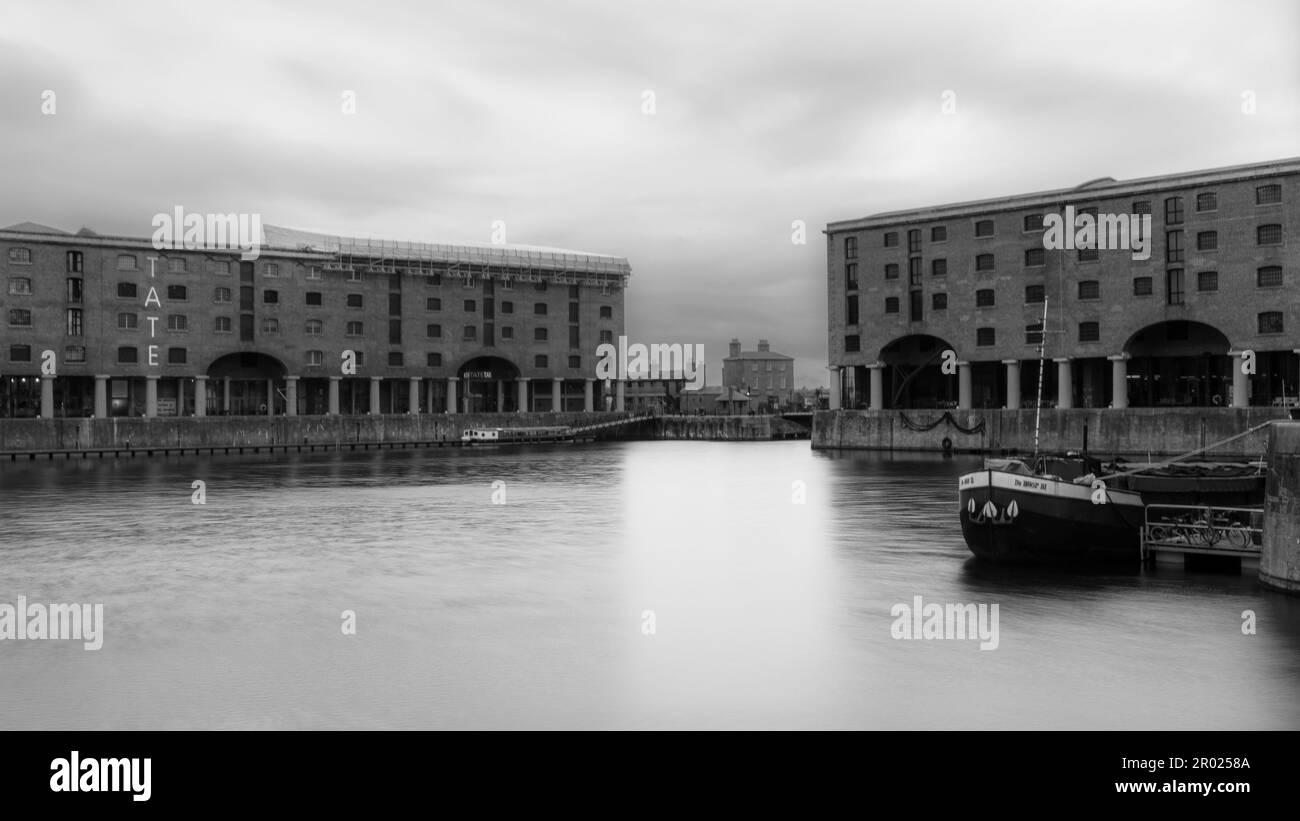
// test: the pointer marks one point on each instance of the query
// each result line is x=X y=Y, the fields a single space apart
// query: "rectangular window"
x=176 y=265
x=850 y=277
x=1035 y=257
x=984 y=262
x=575 y=339
x=914 y=270
x=433 y=280
x=394 y=332
x=1270 y=322
x=354 y=301
x=1034 y=334
x=891 y=271
x=539 y=308
x=575 y=363
x=74 y=353
x=178 y=322
x=270 y=325
x=1270 y=276
x=313 y=272
x=576 y=290
x=20 y=256
x=1173 y=246
x=1207 y=281
x=471 y=306
x=984 y=228
x=394 y=304
x=507 y=307
x=221 y=325
x=939 y=233
x=314 y=358
x=176 y=356
x=914 y=241
x=355 y=328
x=1090 y=289
x=1174 y=286
x=315 y=327
x=1089 y=331
x=20 y=353
x=1207 y=201
x=852 y=343
x=851 y=310
x=433 y=331
x=394 y=359
x=507 y=284
x=891 y=239
x=850 y=247
x=985 y=337
x=271 y=269
x=1207 y=240
x=984 y=298
x=433 y=360
x=126 y=290
x=1268 y=194
x=74 y=322
x=75 y=262
x=470 y=332
x=1268 y=235
x=606 y=312
x=939 y=267
x=539 y=334
x=225 y=295
x=127 y=354
x=1035 y=293
x=354 y=275
x=270 y=297
x=22 y=286
x=361 y=357
x=177 y=293
x=540 y=361
x=891 y=304
x=314 y=298
x=126 y=262
x=20 y=317
x=1142 y=207
x=1033 y=222
x=507 y=332
x=127 y=322
x=939 y=301
x=433 y=303
x=220 y=266
x=1142 y=286
x=1174 y=211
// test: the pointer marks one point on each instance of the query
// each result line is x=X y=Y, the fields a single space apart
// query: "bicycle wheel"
x=1239 y=537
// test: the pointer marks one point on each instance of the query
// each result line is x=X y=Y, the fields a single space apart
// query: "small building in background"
x=760 y=372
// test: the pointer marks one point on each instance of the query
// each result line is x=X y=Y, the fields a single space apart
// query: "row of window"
x=1036 y=257
x=1268 y=322
x=1207 y=201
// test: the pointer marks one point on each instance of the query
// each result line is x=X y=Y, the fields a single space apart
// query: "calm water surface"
x=532 y=614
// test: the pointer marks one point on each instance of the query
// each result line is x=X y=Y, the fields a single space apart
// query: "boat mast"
x=1042 y=349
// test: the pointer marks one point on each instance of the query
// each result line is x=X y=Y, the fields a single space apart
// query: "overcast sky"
x=533 y=113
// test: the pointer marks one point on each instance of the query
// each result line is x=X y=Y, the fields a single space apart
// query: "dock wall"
x=1279 y=561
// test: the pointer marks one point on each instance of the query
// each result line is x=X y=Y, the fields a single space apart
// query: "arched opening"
x=1179 y=363
x=246 y=383
x=488 y=384
x=913 y=373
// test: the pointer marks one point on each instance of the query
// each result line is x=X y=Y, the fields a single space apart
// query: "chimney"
x=734 y=348
x=762 y=346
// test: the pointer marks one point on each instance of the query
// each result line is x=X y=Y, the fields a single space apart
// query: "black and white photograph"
x=926 y=368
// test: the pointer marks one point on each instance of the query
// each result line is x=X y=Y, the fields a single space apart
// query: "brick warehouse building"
x=434 y=328
x=1221 y=279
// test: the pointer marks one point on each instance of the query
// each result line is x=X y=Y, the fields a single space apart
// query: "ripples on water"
x=532 y=613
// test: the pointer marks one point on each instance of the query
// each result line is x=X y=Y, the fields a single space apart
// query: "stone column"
x=413 y=397
x=1240 y=381
x=523 y=394
x=200 y=396
x=1013 y=383
x=963 y=386
x=429 y=396
x=334 y=395
x=151 y=396
x=291 y=396
x=374 y=394
x=225 y=398
x=101 y=396
x=47 y=397
x=620 y=403
x=451 y=393
x=588 y=395
x=1064 y=383
x=501 y=395
x=270 y=397
x=1119 y=381
x=835 y=401
x=557 y=394
x=877 y=385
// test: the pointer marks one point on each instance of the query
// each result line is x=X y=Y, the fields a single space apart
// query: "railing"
x=1231 y=531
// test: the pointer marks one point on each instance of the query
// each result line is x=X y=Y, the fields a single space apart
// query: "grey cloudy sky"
x=531 y=113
